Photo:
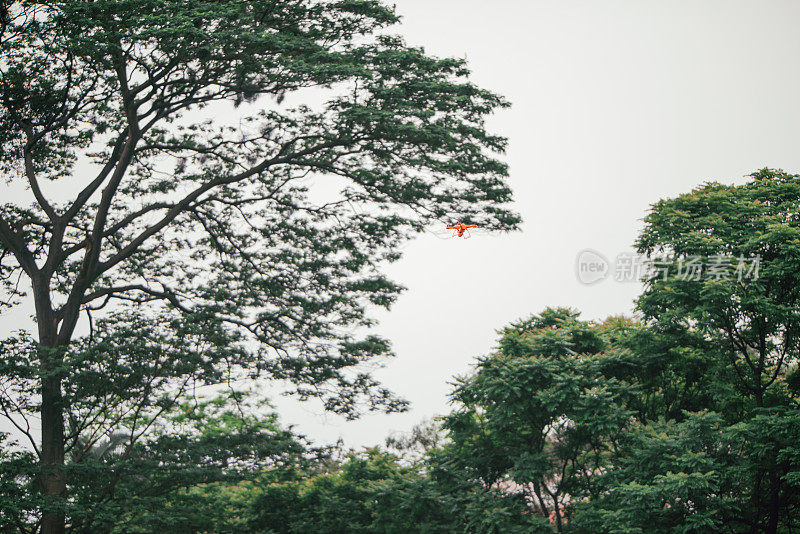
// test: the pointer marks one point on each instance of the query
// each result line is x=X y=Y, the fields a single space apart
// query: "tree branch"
x=17 y=246
x=166 y=294
x=186 y=201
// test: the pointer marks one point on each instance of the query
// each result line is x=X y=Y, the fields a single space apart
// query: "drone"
x=460 y=229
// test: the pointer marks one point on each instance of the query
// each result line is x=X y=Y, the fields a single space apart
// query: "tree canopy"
x=214 y=187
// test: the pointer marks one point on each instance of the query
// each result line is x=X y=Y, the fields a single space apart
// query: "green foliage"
x=373 y=492
x=17 y=479
x=539 y=417
x=733 y=468
x=751 y=317
x=189 y=472
x=669 y=372
x=697 y=475
x=667 y=477
x=204 y=252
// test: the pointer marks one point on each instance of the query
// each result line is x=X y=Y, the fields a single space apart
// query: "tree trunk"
x=51 y=464
x=756 y=501
x=774 y=508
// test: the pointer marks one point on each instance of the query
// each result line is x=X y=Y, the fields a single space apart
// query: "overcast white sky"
x=616 y=104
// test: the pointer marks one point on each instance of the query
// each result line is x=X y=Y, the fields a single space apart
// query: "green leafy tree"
x=747 y=241
x=197 y=473
x=666 y=477
x=669 y=372
x=715 y=365
x=743 y=303
x=698 y=475
x=244 y=247
x=539 y=418
x=685 y=421
x=191 y=472
x=17 y=471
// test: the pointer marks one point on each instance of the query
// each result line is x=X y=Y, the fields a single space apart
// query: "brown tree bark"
x=53 y=481
x=51 y=464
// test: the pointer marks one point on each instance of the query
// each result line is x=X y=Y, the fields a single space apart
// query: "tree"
x=669 y=372
x=261 y=241
x=746 y=242
x=666 y=477
x=744 y=302
x=200 y=462
x=699 y=475
x=343 y=500
x=538 y=418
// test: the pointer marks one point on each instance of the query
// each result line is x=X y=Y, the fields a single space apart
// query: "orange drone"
x=459 y=229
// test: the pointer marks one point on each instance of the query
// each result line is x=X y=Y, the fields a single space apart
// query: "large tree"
x=741 y=297
x=728 y=268
x=247 y=244
x=539 y=417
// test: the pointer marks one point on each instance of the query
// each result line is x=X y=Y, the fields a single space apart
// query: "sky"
x=615 y=105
